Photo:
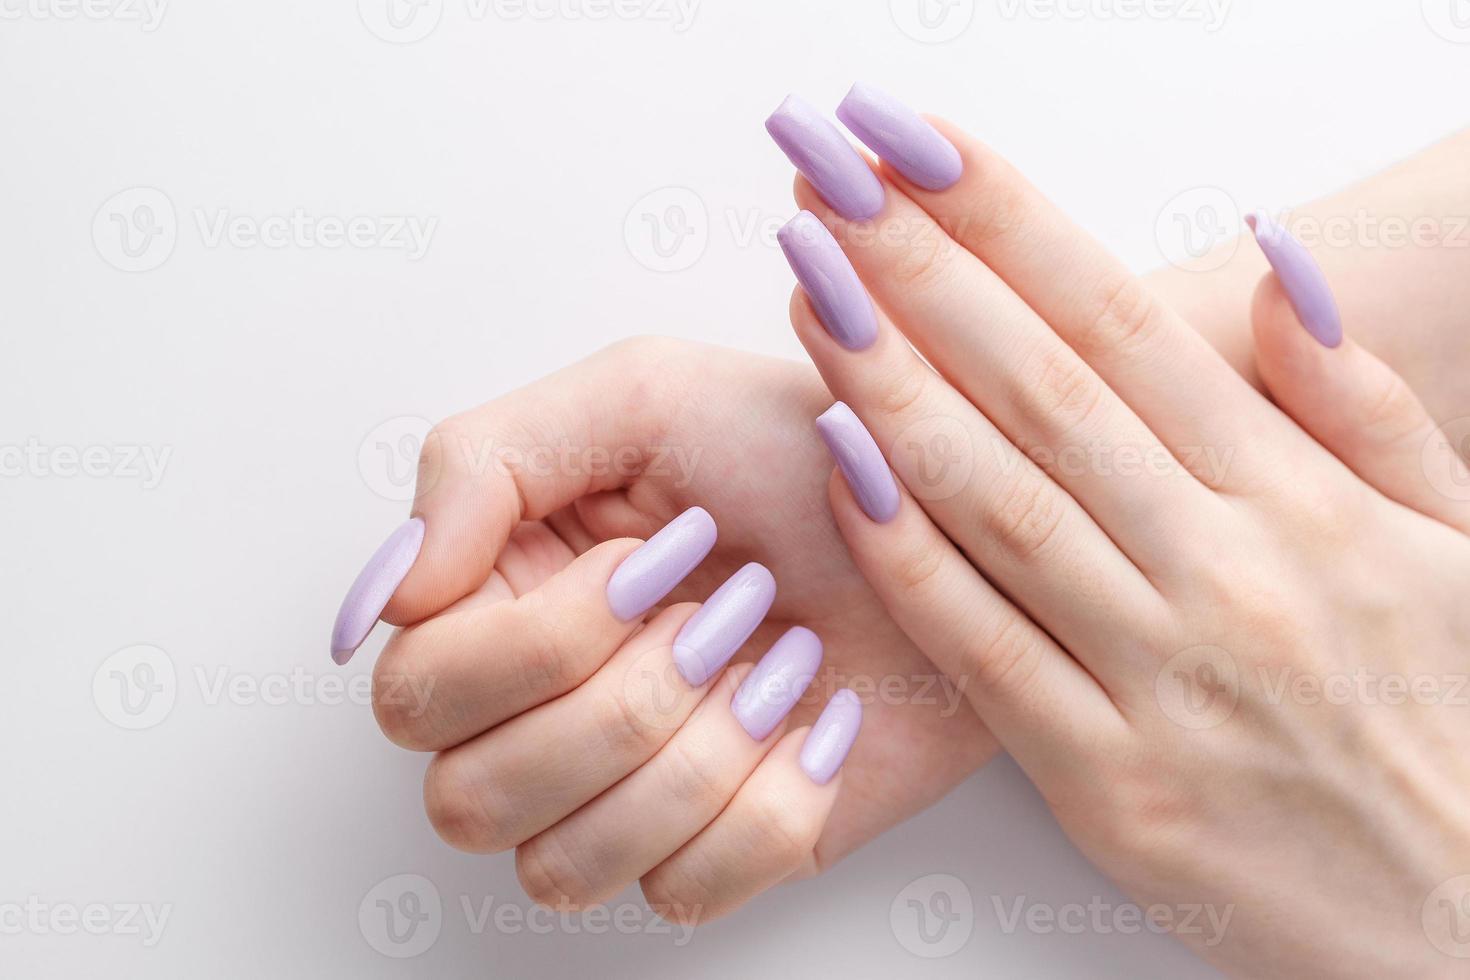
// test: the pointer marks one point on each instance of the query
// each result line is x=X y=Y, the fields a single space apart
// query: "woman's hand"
x=561 y=730
x=1233 y=660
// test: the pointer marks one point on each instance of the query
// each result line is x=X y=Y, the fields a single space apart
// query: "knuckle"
x=1026 y=518
x=897 y=393
x=788 y=835
x=623 y=721
x=549 y=875
x=1065 y=392
x=916 y=567
x=404 y=716
x=674 y=896
x=1008 y=660
x=999 y=218
x=543 y=660
x=1391 y=411
x=922 y=260
x=692 y=780
x=1127 y=317
x=456 y=809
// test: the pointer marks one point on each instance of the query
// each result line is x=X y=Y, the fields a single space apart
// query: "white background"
x=529 y=142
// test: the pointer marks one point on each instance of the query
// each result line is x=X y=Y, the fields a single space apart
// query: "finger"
x=481 y=473
x=1166 y=372
x=770 y=829
x=628 y=830
x=510 y=783
x=481 y=662
x=1013 y=367
x=1352 y=403
x=1040 y=703
x=1004 y=513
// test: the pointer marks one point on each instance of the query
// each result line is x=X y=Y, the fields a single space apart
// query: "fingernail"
x=374 y=586
x=900 y=135
x=831 y=738
x=773 y=688
x=829 y=281
x=660 y=563
x=1302 y=279
x=723 y=623
x=816 y=148
x=861 y=462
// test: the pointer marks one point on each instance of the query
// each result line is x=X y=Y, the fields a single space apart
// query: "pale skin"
x=530 y=669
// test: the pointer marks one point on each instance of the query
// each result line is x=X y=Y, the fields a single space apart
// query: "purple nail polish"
x=1302 y=279
x=374 y=586
x=722 y=625
x=660 y=563
x=861 y=462
x=831 y=738
x=829 y=280
x=771 y=690
x=816 y=148
x=900 y=135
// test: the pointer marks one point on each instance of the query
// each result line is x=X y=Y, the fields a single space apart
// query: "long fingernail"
x=816 y=148
x=900 y=135
x=831 y=738
x=829 y=281
x=1302 y=279
x=773 y=688
x=660 y=563
x=861 y=462
x=374 y=586
x=723 y=624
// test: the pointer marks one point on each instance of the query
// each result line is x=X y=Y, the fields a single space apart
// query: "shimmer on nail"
x=374 y=586
x=831 y=738
x=861 y=462
x=660 y=563
x=902 y=137
x=829 y=281
x=817 y=149
x=771 y=690
x=722 y=625
x=1301 y=278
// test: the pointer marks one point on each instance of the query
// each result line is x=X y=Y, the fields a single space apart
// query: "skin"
x=507 y=595
x=1164 y=648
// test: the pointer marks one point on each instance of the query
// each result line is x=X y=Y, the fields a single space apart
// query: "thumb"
x=584 y=429
x=1352 y=403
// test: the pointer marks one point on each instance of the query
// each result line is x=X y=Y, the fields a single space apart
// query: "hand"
x=527 y=504
x=1155 y=580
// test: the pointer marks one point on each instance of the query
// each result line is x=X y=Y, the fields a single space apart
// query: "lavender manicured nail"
x=816 y=148
x=660 y=563
x=1302 y=279
x=773 y=688
x=831 y=738
x=723 y=624
x=829 y=280
x=900 y=135
x=861 y=462
x=374 y=586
